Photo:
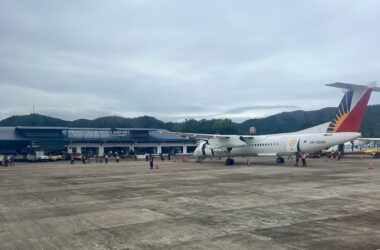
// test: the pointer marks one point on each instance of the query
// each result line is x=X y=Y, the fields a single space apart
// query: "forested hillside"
x=279 y=123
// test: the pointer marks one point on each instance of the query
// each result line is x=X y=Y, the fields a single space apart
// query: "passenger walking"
x=106 y=158
x=72 y=160
x=11 y=161
x=6 y=159
x=297 y=159
x=151 y=161
x=117 y=158
x=303 y=158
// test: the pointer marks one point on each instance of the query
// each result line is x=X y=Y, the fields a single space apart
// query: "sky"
x=183 y=59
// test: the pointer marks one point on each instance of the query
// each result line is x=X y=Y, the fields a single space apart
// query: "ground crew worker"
x=297 y=159
x=151 y=161
x=303 y=158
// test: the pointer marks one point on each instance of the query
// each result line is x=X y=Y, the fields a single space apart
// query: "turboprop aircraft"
x=369 y=146
x=344 y=127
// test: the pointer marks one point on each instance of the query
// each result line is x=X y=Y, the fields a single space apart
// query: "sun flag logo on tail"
x=351 y=111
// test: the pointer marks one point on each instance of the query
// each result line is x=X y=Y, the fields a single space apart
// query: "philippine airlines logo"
x=292 y=142
x=342 y=113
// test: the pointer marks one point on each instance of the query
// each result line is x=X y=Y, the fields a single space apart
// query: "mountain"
x=279 y=123
x=103 y=122
x=371 y=124
x=298 y=120
x=33 y=120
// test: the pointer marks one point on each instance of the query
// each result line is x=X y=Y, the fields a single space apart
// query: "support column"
x=79 y=150
x=159 y=149
x=184 y=150
x=100 y=151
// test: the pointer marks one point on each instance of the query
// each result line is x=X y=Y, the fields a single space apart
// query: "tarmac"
x=186 y=205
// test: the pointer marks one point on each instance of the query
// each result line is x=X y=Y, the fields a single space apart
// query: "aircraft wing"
x=206 y=136
x=198 y=136
x=217 y=141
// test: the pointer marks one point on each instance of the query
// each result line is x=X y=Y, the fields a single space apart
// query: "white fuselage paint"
x=277 y=145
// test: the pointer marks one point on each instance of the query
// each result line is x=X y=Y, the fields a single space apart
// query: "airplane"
x=344 y=127
x=369 y=146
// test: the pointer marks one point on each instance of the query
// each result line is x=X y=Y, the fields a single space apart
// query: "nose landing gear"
x=229 y=161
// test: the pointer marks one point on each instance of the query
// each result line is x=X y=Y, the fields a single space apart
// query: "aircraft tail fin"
x=351 y=110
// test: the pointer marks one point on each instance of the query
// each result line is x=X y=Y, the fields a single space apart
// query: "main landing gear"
x=229 y=161
x=280 y=160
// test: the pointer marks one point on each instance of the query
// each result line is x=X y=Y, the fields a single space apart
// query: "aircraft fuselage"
x=276 y=145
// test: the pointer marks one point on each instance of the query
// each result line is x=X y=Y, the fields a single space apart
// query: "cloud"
x=221 y=59
x=240 y=110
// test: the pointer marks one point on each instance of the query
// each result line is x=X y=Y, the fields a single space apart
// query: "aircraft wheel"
x=280 y=160
x=230 y=162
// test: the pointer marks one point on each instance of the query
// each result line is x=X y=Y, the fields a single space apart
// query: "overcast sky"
x=183 y=59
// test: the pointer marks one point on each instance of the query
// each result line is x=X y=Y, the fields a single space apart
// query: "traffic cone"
x=370 y=165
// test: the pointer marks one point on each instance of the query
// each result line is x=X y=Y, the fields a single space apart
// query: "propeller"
x=204 y=149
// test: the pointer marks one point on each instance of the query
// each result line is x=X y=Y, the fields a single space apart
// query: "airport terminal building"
x=91 y=141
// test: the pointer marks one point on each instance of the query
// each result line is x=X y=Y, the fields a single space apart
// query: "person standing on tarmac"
x=72 y=160
x=151 y=161
x=297 y=159
x=106 y=158
x=303 y=158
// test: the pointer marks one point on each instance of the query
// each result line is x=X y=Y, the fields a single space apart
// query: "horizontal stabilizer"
x=351 y=111
x=351 y=86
